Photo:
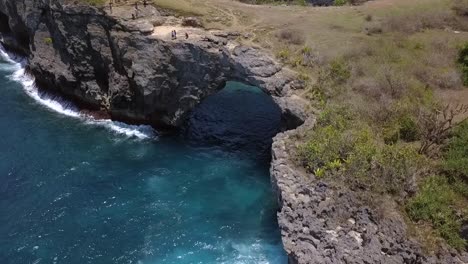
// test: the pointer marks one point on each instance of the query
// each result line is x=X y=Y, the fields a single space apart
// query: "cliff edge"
x=128 y=67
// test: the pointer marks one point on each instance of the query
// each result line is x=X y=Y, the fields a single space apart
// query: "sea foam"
x=17 y=65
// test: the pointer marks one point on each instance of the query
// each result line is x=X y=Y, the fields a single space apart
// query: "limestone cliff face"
x=324 y=223
x=104 y=61
x=107 y=62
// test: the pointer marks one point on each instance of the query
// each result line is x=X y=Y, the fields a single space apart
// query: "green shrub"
x=463 y=62
x=402 y=124
x=327 y=145
x=335 y=116
x=48 y=41
x=283 y=55
x=339 y=145
x=409 y=130
x=396 y=166
x=434 y=204
x=460 y=186
x=301 y=2
x=339 y=71
x=306 y=50
x=384 y=168
x=391 y=135
x=340 y=2
x=456 y=153
x=359 y=160
x=332 y=78
x=460 y=7
x=303 y=76
x=94 y=2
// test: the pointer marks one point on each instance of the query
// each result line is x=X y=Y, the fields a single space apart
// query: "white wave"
x=257 y=252
x=53 y=103
x=139 y=131
x=16 y=65
x=5 y=56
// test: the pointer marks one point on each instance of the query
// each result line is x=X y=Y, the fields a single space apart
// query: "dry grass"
x=289 y=36
x=401 y=54
x=461 y=7
x=182 y=7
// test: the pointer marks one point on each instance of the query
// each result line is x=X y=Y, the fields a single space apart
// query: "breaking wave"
x=17 y=65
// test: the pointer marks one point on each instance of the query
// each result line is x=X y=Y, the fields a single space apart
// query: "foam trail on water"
x=57 y=104
x=6 y=57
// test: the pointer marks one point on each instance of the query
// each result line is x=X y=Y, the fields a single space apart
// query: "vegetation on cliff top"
x=95 y=2
x=380 y=77
x=384 y=89
x=385 y=80
x=305 y=2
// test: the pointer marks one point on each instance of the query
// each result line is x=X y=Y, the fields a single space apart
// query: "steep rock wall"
x=105 y=62
x=325 y=223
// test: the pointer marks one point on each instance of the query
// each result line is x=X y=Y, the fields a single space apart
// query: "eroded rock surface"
x=322 y=223
x=135 y=71
x=129 y=67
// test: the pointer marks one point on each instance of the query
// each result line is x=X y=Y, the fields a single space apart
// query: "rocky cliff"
x=131 y=70
x=105 y=60
x=323 y=222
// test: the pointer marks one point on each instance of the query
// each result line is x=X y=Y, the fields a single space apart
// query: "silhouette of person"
x=186 y=35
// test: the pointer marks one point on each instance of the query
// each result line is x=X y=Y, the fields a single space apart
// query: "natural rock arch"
x=134 y=75
x=4 y=26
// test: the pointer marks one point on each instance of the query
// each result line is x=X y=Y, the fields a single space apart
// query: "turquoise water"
x=75 y=191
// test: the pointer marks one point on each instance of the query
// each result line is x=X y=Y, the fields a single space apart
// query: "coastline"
x=226 y=61
x=319 y=222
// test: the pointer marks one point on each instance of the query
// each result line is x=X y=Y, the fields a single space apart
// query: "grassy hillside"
x=387 y=82
x=378 y=76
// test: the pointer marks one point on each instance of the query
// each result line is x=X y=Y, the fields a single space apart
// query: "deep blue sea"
x=74 y=190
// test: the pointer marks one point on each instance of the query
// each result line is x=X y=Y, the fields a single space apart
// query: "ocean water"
x=77 y=190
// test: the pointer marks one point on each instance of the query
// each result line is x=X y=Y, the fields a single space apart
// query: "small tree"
x=463 y=62
x=436 y=124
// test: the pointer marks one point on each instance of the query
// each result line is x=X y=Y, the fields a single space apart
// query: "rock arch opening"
x=239 y=118
x=4 y=26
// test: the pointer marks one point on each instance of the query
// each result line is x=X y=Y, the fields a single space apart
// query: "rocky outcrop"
x=128 y=68
x=109 y=61
x=323 y=223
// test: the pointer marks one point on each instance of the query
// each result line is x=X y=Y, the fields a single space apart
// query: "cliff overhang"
x=107 y=61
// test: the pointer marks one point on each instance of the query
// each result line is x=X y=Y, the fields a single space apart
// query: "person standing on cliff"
x=186 y=35
x=136 y=5
x=110 y=6
x=145 y=3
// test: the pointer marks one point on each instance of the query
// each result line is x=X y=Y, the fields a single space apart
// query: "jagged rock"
x=143 y=26
x=103 y=60
x=324 y=223
x=106 y=59
x=225 y=34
